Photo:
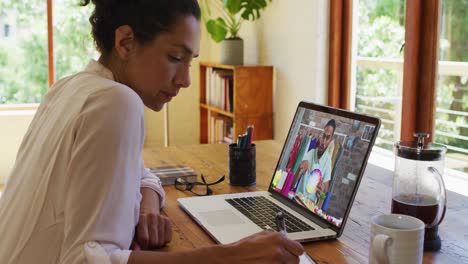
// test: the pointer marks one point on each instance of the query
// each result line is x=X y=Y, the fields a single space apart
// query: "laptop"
x=314 y=183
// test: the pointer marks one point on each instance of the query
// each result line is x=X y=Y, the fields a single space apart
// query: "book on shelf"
x=227 y=140
x=220 y=129
x=169 y=173
x=219 y=88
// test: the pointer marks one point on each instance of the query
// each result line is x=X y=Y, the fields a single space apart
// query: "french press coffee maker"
x=418 y=186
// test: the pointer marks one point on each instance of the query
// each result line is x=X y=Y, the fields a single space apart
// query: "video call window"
x=319 y=165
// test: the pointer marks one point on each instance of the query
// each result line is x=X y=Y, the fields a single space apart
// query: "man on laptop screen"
x=317 y=162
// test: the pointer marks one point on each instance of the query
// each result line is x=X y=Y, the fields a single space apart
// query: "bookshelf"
x=233 y=97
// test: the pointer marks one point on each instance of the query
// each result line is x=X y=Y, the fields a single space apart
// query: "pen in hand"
x=281 y=226
x=280 y=223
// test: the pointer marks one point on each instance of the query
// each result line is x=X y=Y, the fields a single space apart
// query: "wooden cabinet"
x=250 y=102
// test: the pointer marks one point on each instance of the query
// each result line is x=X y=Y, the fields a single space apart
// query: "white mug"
x=396 y=238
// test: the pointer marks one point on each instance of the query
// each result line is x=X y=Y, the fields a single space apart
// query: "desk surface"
x=374 y=197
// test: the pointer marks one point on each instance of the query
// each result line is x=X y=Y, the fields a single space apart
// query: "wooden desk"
x=374 y=197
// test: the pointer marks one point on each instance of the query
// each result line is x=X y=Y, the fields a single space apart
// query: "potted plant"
x=225 y=28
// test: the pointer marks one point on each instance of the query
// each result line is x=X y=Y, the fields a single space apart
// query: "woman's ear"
x=125 y=41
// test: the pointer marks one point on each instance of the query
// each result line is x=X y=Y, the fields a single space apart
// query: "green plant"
x=233 y=13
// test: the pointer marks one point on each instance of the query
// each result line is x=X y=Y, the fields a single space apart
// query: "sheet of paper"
x=305 y=259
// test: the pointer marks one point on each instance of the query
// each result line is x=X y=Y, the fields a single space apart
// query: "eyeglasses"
x=198 y=188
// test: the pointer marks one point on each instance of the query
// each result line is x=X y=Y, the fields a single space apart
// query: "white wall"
x=293 y=37
x=13 y=126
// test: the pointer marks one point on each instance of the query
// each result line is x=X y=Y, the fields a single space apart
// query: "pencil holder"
x=242 y=168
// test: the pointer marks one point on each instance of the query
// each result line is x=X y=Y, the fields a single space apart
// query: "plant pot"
x=232 y=51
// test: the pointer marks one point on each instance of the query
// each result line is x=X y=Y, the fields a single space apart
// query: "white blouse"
x=74 y=193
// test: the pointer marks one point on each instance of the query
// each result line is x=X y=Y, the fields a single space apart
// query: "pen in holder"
x=242 y=166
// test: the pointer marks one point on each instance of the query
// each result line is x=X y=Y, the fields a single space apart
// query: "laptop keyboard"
x=262 y=212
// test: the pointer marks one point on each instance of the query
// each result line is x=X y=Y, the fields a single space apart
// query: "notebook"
x=169 y=173
x=314 y=183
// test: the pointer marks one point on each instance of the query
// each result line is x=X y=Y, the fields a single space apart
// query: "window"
x=377 y=88
x=24 y=56
x=397 y=82
x=451 y=118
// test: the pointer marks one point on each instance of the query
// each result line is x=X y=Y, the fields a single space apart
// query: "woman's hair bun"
x=147 y=18
x=96 y=2
x=85 y=2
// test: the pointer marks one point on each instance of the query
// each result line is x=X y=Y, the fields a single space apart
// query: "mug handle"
x=380 y=246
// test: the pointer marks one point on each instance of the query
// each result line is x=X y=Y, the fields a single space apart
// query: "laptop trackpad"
x=221 y=218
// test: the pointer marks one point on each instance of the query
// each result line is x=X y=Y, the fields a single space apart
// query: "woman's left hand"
x=153 y=229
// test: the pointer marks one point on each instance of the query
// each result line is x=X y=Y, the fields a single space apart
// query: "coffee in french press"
x=418 y=186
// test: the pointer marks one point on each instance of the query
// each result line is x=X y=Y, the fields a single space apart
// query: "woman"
x=79 y=192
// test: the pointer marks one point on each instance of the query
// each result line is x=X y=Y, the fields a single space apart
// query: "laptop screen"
x=322 y=160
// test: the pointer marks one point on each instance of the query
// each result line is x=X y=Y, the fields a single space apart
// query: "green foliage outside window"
x=23 y=55
x=381 y=35
x=452 y=91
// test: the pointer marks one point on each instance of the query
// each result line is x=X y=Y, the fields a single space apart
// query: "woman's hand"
x=153 y=229
x=265 y=247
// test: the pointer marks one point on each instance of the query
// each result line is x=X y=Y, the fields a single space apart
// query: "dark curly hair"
x=147 y=18
x=331 y=123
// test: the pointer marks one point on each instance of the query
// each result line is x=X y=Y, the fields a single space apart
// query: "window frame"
x=339 y=54
x=420 y=56
x=50 y=44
